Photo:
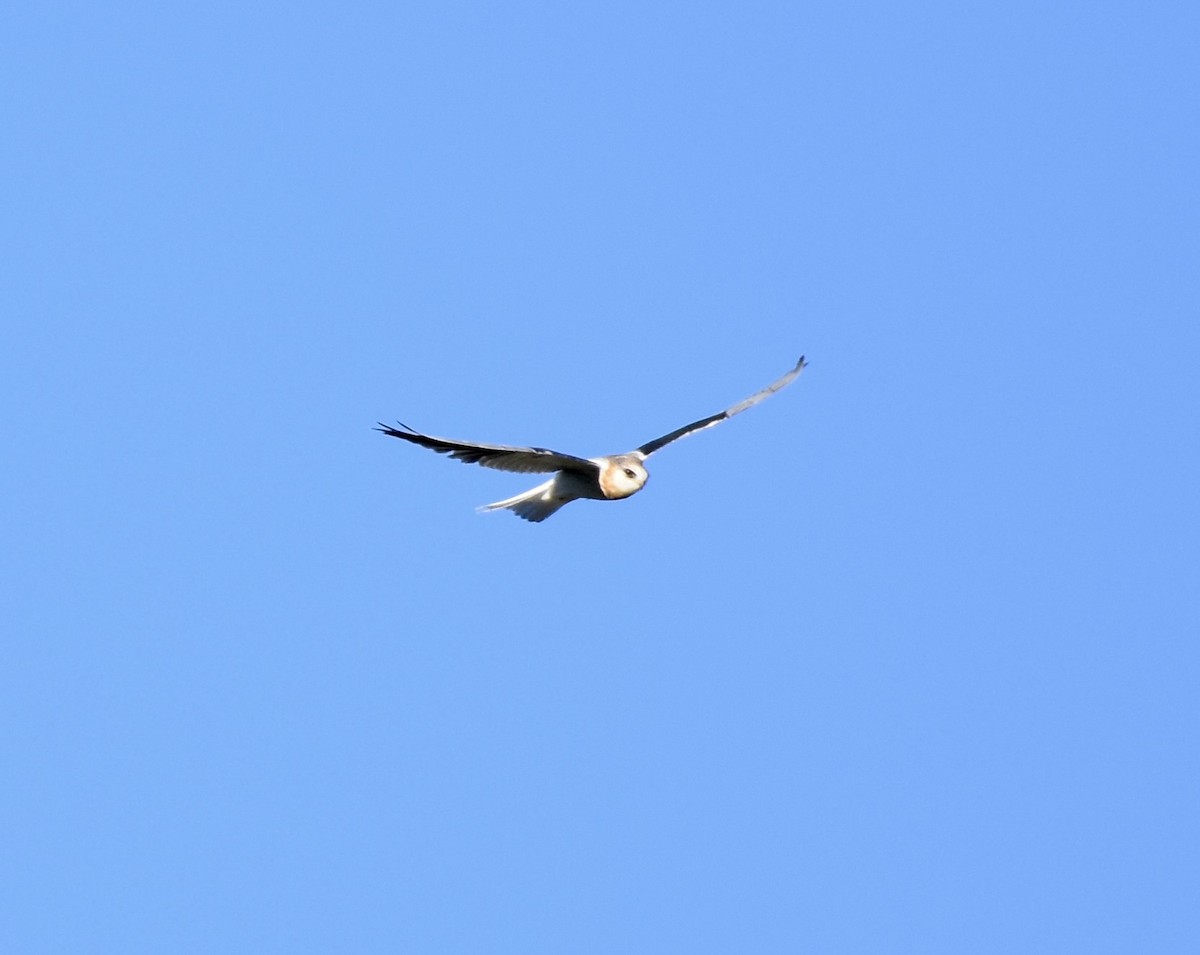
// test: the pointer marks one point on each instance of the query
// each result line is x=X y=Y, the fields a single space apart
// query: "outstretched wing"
x=499 y=456
x=650 y=447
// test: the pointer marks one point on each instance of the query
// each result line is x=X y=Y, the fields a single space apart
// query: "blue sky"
x=902 y=660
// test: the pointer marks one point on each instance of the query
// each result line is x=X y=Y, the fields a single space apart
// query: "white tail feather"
x=533 y=505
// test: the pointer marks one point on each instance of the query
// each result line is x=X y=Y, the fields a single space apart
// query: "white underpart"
x=536 y=504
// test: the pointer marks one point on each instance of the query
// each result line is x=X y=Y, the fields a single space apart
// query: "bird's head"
x=622 y=476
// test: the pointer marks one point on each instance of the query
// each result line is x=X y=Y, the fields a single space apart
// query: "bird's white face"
x=622 y=476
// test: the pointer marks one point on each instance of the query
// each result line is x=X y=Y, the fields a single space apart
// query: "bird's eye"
x=629 y=473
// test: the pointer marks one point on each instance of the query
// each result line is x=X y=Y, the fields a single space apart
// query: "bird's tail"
x=533 y=505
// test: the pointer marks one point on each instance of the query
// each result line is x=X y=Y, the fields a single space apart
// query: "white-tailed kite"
x=607 y=478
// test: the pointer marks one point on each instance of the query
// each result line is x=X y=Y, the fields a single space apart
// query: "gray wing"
x=650 y=447
x=499 y=456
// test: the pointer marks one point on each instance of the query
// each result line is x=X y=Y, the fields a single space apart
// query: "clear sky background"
x=902 y=660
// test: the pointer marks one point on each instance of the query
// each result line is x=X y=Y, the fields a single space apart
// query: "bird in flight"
x=610 y=477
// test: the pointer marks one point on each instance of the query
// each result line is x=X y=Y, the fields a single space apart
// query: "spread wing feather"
x=498 y=456
x=650 y=447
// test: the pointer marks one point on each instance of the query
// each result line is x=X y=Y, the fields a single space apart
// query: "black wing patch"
x=498 y=456
x=650 y=447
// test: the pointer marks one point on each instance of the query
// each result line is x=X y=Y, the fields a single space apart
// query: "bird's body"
x=607 y=478
x=610 y=480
